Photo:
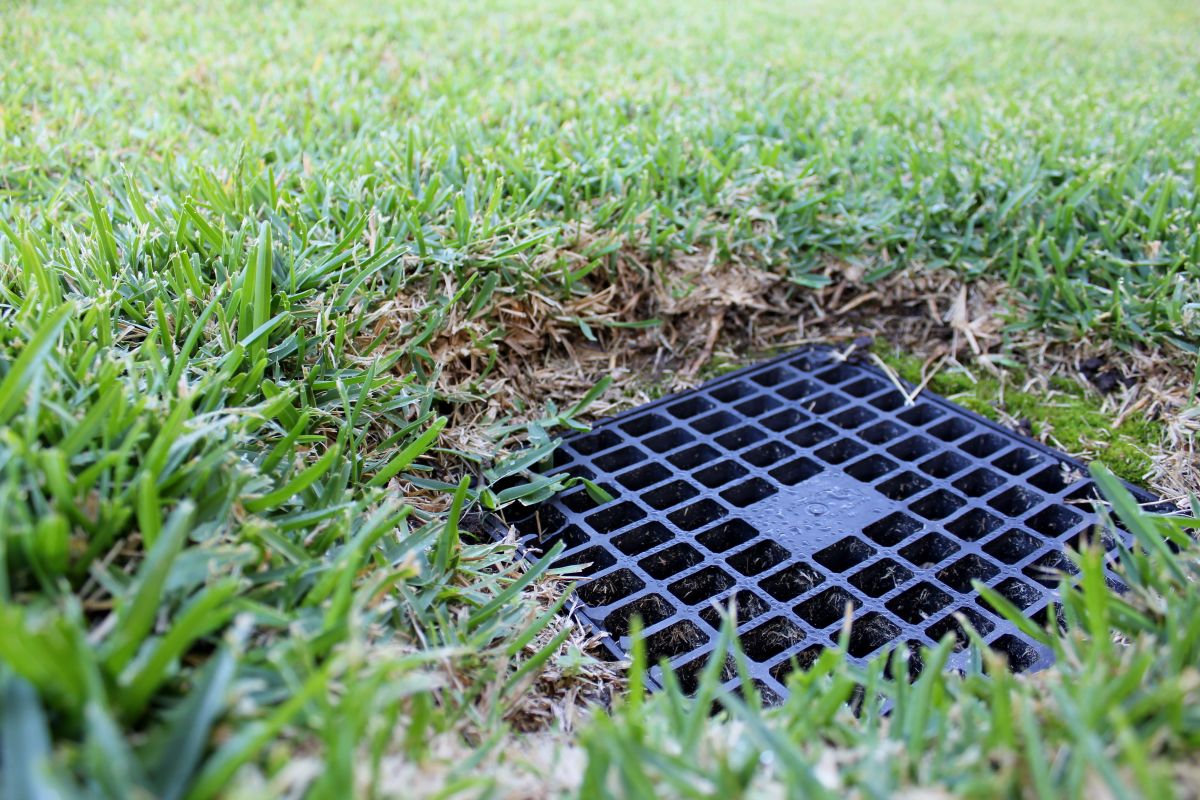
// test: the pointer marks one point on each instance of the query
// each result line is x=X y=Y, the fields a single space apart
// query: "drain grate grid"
x=797 y=487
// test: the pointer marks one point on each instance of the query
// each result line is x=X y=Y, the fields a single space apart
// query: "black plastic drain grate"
x=798 y=486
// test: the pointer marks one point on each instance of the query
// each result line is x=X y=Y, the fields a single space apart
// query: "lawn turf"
x=234 y=236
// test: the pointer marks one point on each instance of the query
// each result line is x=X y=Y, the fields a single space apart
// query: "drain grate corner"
x=798 y=487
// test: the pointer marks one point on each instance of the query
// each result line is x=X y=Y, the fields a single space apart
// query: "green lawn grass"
x=231 y=512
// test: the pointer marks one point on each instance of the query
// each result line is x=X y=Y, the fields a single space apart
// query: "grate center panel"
x=799 y=488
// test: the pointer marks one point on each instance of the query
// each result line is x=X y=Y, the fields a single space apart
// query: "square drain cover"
x=798 y=487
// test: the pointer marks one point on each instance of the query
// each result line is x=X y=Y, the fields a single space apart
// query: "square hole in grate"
x=791 y=581
x=1054 y=520
x=643 y=476
x=943 y=465
x=881 y=432
x=642 y=538
x=913 y=448
x=594 y=442
x=952 y=429
x=950 y=624
x=757 y=406
x=618 y=460
x=732 y=391
x=903 y=486
x=983 y=445
x=920 y=603
x=749 y=493
x=697 y=515
x=841 y=450
x=938 y=504
x=826 y=403
x=803 y=661
x=542 y=522
x=796 y=471
x=692 y=406
x=743 y=436
x=700 y=586
x=571 y=537
x=929 y=551
x=773 y=376
x=644 y=424
x=785 y=420
x=669 y=561
x=1021 y=654
x=870 y=468
x=798 y=390
x=727 y=535
x=652 y=609
x=613 y=518
x=1056 y=478
x=1012 y=546
x=978 y=483
x=890 y=401
x=1050 y=569
x=881 y=577
x=1018 y=461
x=852 y=417
x=1015 y=501
x=610 y=588
x=581 y=500
x=721 y=474
x=870 y=632
x=865 y=387
x=767 y=454
x=771 y=638
x=921 y=414
x=974 y=525
x=747 y=606
x=1019 y=593
x=690 y=674
x=758 y=558
x=827 y=607
x=715 y=422
x=839 y=374
x=670 y=495
x=892 y=529
x=669 y=440
x=693 y=456
x=674 y=640
x=812 y=435
x=586 y=562
x=845 y=554
x=958 y=576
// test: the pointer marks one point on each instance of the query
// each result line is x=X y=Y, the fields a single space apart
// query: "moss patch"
x=1069 y=414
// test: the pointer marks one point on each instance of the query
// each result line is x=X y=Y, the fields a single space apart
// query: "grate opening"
x=799 y=490
x=639 y=540
x=689 y=674
x=928 y=551
x=758 y=558
x=827 y=607
x=953 y=624
x=652 y=609
x=767 y=454
x=881 y=577
x=771 y=638
x=727 y=535
x=747 y=606
x=920 y=603
x=693 y=456
x=669 y=440
x=791 y=582
x=670 y=561
x=700 y=586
